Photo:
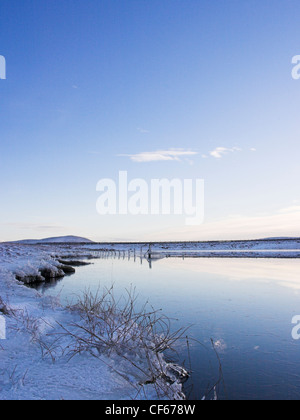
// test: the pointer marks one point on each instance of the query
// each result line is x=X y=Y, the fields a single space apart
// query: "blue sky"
x=92 y=84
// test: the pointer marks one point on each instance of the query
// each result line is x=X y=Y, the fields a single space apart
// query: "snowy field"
x=266 y=248
x=38 y=359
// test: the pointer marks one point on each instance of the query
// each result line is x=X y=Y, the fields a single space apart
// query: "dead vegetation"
x=138 y=337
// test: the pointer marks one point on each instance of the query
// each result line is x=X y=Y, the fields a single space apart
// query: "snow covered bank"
x=263 y=248
x=43 y=356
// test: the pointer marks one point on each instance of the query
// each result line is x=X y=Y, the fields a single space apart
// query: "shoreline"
x=35 y=361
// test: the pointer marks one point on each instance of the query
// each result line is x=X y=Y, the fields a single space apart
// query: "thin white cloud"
x=142 y=130
x=219 y=152
x=161 y=155
x=178 y=154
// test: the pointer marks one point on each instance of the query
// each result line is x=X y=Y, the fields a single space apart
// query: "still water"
x=246 y=306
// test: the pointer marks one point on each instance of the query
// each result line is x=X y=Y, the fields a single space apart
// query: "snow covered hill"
x=56 y=240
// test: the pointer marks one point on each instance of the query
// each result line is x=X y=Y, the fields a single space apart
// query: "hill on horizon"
x=55 y=240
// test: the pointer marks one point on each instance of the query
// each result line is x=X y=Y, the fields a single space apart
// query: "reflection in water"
x=49 y=284
x=286 y=273
x=244 y=305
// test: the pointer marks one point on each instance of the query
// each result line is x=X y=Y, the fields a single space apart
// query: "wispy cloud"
x=142 y=130
x=220 y=152
x=161 y=155
x=181 y=154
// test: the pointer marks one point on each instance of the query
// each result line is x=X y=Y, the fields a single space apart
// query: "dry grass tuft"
x=139 y=337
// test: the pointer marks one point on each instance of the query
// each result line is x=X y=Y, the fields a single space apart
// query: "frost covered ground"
x=38 y=360
x=263 y=248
